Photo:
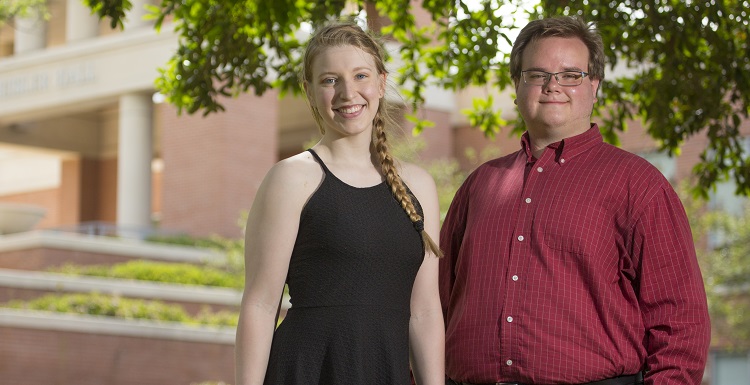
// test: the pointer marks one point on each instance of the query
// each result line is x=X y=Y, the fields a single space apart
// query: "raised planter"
x=17 y=217
x=41 y=249
x=70 y=349
x=26 y=285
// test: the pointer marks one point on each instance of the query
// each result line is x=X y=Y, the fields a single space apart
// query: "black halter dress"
x=350 y=280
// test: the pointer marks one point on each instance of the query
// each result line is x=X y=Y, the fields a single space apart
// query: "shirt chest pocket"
x=578 y=227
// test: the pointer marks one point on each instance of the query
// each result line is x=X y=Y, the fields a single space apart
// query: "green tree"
x=723 y=248
x=10 y=9
x=690 y=59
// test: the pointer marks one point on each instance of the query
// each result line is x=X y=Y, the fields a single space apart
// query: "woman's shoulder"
x=296 y=166
x=300 y=173
x=417 y=178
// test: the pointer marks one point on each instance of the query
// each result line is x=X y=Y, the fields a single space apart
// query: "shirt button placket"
x=520 y=238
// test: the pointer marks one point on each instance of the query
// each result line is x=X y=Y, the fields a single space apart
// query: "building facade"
x=79 y=108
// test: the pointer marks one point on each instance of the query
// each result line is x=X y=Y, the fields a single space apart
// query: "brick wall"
x=87 y=192
x=213 y=165
x=43 y=258
x=439 y=138
x=42 y=357
x=100 y=185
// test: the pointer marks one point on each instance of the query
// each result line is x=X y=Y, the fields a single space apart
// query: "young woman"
x=350 y=231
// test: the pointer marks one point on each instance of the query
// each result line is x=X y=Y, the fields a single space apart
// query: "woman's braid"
x=380 y=147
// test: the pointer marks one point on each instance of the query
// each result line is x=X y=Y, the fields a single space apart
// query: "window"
x=730 y=368
x=662 y=161
x=724 y=197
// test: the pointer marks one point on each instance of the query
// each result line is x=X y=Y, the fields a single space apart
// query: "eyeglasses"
x=564 y=78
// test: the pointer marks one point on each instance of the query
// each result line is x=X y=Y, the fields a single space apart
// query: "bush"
x=232 y=249
x=127 y=308
x=180 y=273
x=215 y=242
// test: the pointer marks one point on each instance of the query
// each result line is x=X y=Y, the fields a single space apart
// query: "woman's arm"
x=426 y=328
x=269 y=240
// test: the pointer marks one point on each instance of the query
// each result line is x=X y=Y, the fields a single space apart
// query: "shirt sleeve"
x=672 y=295
x=451 y=235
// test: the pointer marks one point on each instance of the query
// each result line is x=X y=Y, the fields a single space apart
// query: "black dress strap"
x=320 y=161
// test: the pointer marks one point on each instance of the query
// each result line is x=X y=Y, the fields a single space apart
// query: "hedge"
x=126 y=308
x=180 y=273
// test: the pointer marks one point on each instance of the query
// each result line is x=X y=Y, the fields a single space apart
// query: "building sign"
x=66 y=77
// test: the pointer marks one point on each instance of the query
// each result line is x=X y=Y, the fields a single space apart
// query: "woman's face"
x=345 y=88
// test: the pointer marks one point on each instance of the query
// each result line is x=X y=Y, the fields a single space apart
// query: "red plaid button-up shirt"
x=575 y=267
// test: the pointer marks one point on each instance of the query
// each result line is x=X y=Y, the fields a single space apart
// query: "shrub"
x=231 y=248
x=180 y=273
x=127 y=308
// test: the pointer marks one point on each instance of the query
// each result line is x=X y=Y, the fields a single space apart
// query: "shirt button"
x=562 y=160
x=510 y=319
x=539 y=169
x=515 y=278
x=520 y=237
x=528 y=200
x=509 y=362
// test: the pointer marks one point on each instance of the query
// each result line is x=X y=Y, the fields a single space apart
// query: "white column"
x=30 y=33
x=135 y=143
x=134 y=18
x=80 y=23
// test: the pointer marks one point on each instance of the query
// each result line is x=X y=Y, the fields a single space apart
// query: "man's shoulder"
x=621 y=158
x=633 y=172
x=504 y=162
x=493 y=171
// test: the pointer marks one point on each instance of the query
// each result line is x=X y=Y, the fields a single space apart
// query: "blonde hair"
x=349 y=33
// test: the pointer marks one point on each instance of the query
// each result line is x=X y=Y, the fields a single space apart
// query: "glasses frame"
x=550 y=75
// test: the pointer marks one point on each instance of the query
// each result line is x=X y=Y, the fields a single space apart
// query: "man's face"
x=553 y=111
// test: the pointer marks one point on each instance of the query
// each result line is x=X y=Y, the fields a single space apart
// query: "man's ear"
x=595 y=88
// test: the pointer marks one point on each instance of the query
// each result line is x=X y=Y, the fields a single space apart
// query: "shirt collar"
x=568 y=147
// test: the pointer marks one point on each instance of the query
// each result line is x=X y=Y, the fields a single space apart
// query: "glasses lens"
x=569 y=78
x=535 y=78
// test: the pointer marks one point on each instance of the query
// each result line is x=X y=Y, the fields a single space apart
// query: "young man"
x=570 y=261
